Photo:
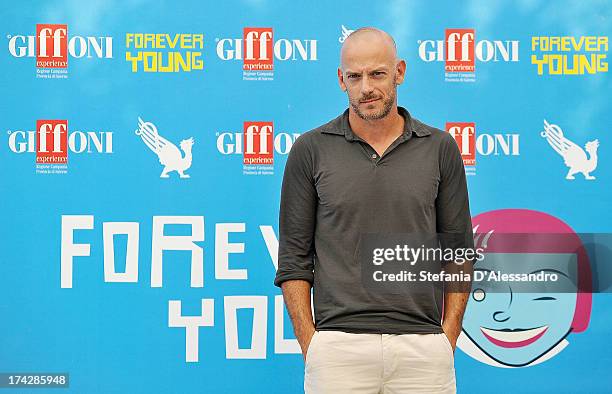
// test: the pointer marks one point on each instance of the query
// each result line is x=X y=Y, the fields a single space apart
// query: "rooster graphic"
x=574 y=156
x=169 y=155
x=345 y=33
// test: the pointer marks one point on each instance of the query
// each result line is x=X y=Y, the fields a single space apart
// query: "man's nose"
x=366 y=86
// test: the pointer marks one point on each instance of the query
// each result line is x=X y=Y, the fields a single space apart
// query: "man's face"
x=370 y=74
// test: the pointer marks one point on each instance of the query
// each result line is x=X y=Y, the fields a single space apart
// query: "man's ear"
x=341 y=80
x=400 y=72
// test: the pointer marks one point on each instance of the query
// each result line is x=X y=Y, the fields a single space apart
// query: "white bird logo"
x=574 y=156
x=345 y=33
x=169 y=155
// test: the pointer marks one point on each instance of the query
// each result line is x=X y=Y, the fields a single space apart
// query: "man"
x=374 y=169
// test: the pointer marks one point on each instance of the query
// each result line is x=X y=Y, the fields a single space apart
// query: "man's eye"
x=353 y=76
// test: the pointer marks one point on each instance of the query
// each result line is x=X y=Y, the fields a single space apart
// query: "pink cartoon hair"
x=529 y=224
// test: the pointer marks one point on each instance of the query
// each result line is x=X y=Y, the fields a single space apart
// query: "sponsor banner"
x=54 y=49
x=257 y=145
x=461 y=52
x=52 y=143
x=259 y=49
x=485 y=144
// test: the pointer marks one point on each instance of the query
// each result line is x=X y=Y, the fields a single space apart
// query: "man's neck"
x=379 y=130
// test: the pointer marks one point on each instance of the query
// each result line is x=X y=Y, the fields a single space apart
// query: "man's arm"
x=455 y=301
x=297 y=298
x=297 y=218
x=453 y=222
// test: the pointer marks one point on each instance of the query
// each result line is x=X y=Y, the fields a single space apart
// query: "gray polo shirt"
x=336 y=188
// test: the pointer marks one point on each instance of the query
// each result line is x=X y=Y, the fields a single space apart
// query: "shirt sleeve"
x=453 y=219
x=297 y=216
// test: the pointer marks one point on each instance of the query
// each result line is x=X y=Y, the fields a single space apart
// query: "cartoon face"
x=515 y=322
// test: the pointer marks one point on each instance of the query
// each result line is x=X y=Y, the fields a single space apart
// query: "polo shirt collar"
x=341 y=126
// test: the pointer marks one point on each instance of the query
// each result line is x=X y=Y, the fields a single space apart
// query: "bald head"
x=368 y=42
x=369 y=73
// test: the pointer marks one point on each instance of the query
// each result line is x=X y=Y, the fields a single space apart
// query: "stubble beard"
x=386 y=109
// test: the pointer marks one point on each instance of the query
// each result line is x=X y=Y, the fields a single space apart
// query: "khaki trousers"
x=338 y=362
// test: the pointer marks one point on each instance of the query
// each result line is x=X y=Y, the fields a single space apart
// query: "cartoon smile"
x=512 y=338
